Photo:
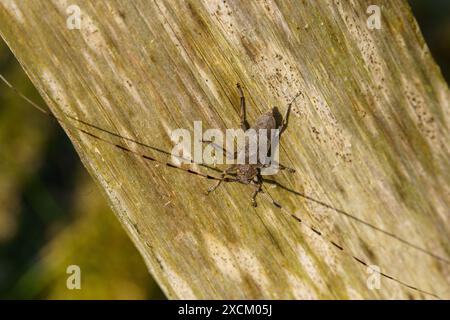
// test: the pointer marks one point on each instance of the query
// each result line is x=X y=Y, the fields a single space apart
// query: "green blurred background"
x=52 y=215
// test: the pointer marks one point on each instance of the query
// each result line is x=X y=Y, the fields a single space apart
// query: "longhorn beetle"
x=248 y=173
x=238 y=176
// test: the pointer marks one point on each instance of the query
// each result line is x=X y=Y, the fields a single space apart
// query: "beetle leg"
x=258 y=186
x=281 y=167
x=244 y=123
x=222 y=177
x=286 y=116
x=285 y=119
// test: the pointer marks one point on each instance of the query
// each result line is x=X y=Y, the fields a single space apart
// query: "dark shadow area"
x=433 y=18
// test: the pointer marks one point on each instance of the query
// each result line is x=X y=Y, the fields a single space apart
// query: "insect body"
x=246 y=174
x=250 y=173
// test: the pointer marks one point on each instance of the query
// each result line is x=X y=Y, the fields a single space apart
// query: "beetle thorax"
x=246 y=172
